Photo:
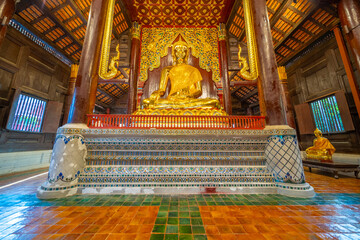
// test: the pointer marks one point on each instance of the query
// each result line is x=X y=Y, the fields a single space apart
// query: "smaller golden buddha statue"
x=185 y=85
x=322 y=149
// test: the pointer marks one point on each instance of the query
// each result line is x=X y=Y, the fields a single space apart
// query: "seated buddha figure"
x=322 y=149
x=185 y=85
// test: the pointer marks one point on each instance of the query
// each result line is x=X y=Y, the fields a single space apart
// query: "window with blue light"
x=28 y=115
x=327 y=115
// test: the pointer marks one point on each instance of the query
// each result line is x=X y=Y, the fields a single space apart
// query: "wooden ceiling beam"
x=60 y=38
x=112 y=81
x=101 y=104
x=77 y=11
x=70 y=19
x=307 y=31
x=50 y=30
x=296 y=11
x=22 y=5
x=304 y=46
x=68 y=46
x=124 y=73
x=277 y=53
x=61 y=25
x=57 y=8
x=278 y=14
x=106 y=93
x=125 y=12
x=311 y=11
x=40 y=35
x=36 y=20
x=249 y=95
x=232 y=14
x=236 y=89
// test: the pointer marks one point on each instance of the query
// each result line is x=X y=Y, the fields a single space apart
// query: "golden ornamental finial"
x=74 y=70
x=282 y=73
x=136 y=30
x=222 y=32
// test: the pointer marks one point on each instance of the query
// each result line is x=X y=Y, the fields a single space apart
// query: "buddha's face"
x=180 y=53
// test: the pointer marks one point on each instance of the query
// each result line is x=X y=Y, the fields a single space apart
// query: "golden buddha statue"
x=185 y=82
x=322 y=149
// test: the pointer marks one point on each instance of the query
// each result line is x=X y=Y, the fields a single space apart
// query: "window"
x=28 y=115
x=327 y=115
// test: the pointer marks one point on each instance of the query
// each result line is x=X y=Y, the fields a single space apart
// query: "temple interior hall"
x=180 y=119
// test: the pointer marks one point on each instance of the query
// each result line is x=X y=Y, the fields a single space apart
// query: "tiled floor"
x=333 y=214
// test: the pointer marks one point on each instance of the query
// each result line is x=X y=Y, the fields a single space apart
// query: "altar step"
x=175 y=150
x=175 y=176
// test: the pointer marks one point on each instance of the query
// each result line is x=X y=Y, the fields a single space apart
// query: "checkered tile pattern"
x=283 y=159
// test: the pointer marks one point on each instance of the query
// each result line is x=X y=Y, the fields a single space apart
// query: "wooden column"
x=352 y=30
x=289 y=110
x=70 y=92
x=7 y=9
x=268 y=67
x=87 y=78
x=134 y=67
x=349 y=14
x=224 y=69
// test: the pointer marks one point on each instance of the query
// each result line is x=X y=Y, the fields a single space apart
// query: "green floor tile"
x=196 y=221
x=160 y=221
x=172 y=229
x=159 y=229
x=171 y=237
x=157 y=237
x=173 y=214
x=200 y=237
x=186 y=237
x=195 y=214
x=173 y=221
x=184 y=221
x=184 y=214
x=185 y=229
x=198 y=229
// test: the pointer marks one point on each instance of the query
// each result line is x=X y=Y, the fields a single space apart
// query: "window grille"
x=327 y=115
x=29 y=114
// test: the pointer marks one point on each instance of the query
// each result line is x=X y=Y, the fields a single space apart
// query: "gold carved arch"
x=202 y=41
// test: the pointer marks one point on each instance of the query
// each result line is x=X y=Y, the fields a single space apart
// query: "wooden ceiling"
x=181 y=12
x=62 y=24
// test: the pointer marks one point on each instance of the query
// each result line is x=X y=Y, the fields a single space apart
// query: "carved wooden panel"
x=37 y=79
x=10 y=50
x=5 y=83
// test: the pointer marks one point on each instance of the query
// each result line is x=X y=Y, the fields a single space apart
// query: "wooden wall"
x=26 y=67
x=317 y=74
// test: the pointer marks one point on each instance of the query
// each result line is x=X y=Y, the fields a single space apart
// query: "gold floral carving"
x=202 y=41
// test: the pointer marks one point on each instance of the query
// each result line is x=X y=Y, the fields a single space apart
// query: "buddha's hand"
x=156 y=95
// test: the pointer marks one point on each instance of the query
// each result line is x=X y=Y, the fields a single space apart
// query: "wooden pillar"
x=7 y=9
x=289 y=111
x=268 y=67
x=224 y=69
x=134 y=67
x=86 y=81
x=345 y=56
x=70 y=92
x=349 y=14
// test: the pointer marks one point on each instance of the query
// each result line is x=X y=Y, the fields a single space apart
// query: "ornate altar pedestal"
x=175 y=161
